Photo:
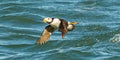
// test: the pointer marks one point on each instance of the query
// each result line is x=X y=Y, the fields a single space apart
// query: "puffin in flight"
x=54 y=24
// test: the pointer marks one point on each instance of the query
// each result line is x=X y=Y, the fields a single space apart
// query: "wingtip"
x=40 y=43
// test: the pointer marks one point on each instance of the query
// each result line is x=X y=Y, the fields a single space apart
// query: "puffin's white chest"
x=56 y=23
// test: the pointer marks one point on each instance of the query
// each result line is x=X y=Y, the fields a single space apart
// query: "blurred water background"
x=97 y=37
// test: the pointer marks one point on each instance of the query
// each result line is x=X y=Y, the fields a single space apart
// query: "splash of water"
x=115 y=38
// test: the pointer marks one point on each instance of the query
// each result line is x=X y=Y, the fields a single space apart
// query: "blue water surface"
x=93 y=39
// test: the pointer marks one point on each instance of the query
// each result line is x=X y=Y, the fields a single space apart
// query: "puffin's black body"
x=63 y=27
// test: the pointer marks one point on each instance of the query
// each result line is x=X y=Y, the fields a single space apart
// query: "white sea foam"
x=115 y=38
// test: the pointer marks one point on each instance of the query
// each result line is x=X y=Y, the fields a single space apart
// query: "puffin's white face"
x=70 y=27
x=45 y=20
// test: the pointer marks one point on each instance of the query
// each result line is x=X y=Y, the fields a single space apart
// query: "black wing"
x=63 y=27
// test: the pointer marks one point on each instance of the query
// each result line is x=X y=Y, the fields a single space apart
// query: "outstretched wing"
x=46 y=34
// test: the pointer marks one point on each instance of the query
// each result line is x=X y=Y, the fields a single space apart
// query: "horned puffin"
x=55 y=24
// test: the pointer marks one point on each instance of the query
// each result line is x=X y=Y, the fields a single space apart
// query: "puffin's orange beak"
x=73 y=23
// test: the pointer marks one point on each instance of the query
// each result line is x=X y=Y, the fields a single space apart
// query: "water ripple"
x=93 y=39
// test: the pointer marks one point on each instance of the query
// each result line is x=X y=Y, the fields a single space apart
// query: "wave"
x=95 y=38
x=115 y=38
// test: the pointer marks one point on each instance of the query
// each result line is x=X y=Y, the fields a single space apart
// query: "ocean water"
x=97 y=37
